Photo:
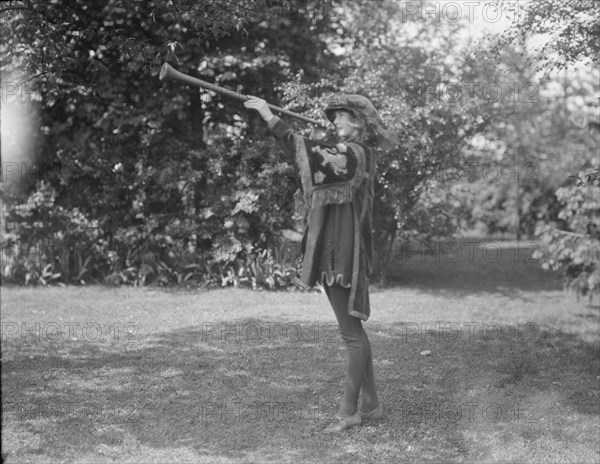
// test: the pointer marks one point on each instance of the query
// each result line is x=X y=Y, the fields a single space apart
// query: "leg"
x=370 y=401
x=360 y=359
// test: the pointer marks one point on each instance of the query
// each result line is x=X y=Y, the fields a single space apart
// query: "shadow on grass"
x=236 y=392
x=471 y=266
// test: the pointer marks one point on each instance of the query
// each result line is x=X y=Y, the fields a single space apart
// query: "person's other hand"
x=261 y=106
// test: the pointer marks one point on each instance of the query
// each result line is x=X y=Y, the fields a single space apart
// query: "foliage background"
x=124 y=179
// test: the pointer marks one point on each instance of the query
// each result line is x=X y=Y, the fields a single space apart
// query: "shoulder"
x=366 y=159
x=359 y=147
x=362 y=152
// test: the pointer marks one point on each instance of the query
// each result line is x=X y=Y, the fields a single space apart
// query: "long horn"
x=168 y=72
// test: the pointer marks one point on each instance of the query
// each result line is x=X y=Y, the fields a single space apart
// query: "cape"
x=333 y=176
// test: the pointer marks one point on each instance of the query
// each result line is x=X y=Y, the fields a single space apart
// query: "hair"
x=366 y=133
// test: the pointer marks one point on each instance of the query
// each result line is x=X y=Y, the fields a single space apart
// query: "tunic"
x=337 y=186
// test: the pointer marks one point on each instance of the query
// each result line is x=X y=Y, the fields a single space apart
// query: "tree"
x=536 y=136
x=570 y=29
x=571 y=236
x=397 y=66
x=155 y=168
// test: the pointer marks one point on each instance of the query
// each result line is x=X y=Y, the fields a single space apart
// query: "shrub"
x=576 y=252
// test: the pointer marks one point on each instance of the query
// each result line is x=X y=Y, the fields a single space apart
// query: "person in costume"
x=336 y=191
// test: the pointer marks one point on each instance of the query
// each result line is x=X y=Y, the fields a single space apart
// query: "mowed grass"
x=476 y=361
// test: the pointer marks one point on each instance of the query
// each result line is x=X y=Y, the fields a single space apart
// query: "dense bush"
x=147 y=182
x=173 y=187
x=576 y=250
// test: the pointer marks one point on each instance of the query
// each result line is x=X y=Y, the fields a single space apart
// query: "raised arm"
x=327 y=163
x=280 y=130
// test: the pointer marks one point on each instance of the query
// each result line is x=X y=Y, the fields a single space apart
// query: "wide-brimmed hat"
x=361 y=107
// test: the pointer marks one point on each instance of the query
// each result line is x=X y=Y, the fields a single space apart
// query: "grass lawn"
x=477 y=360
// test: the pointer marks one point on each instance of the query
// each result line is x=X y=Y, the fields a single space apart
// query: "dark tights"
x=360 y=360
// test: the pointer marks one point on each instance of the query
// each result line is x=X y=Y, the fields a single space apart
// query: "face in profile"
x=346 y=124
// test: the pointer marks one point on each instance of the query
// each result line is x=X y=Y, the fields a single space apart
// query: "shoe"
x=375 y=414
x=344 y=424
